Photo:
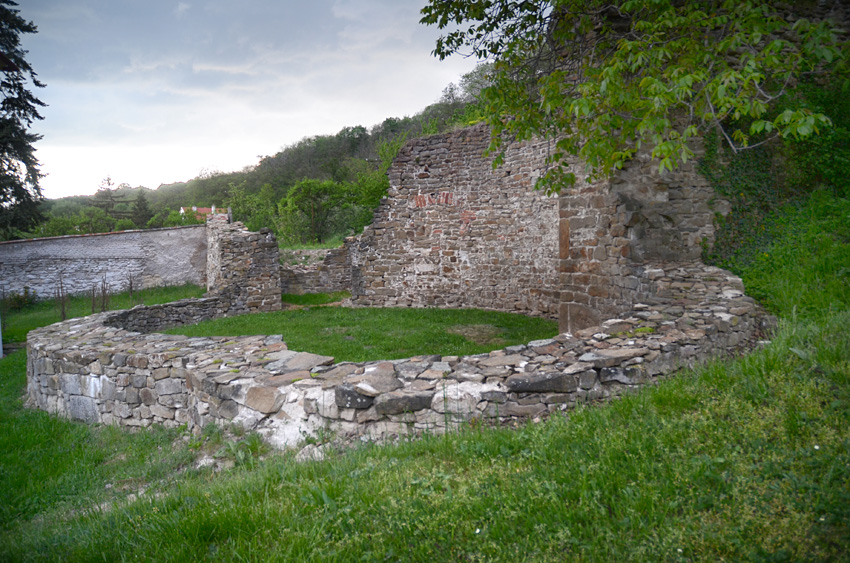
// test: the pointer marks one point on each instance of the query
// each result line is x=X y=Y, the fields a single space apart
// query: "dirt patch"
x=479 y=334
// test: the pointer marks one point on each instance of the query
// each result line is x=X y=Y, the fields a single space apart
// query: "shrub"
x=16 y=301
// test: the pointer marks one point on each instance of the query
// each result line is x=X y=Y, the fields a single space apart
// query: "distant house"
x=200 y=212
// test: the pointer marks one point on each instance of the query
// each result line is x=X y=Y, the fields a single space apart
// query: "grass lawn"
x=742 y=460
x=16 y=324
x=310 y=299
x=383 y=334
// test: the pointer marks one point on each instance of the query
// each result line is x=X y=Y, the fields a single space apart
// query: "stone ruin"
x=617 y=261
x=113 y=368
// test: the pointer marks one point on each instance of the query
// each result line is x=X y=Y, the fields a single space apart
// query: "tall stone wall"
x=613 y=232
x=454 y=232
x=243 y=267
x=150 y=258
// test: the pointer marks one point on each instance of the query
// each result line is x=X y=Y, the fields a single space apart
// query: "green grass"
x=741 y=460
x=383 y=334
x=805 y=274
x=312 y=299
x=18 y=323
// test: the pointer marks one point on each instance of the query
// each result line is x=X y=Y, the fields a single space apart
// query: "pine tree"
x=20 y=193
x=141 y=210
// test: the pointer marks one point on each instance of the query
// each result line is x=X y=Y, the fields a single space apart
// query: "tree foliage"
x=19 y=169
x=141 y=210
x=607 y=78
x=314 y=203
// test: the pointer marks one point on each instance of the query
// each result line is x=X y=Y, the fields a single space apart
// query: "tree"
x=606 y=78
x=19 y=169
x=315 y=203
x=141 y=210
x=95 y=220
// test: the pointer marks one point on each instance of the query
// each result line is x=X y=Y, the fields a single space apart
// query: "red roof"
x=200 y=212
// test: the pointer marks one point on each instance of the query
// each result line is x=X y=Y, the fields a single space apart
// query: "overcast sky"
x=157 y=91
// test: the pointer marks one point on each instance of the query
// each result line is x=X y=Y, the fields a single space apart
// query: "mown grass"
x=18 y=323
x=741 y=460
x=383 y=334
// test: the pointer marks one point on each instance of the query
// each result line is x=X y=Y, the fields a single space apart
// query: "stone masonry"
x=317 y=271
x=150 y=258
x=243 y=267
x=454 y=232
x=102 y=369
x=612 y=232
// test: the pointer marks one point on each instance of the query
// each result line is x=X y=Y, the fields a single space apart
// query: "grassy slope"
x=747 y=460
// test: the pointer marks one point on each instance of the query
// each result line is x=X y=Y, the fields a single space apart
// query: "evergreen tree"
x=141 y=210
x=19 y=169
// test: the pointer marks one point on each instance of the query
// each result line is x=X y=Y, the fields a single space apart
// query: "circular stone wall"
x=112 y=368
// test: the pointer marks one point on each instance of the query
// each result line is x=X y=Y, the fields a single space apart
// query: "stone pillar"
x=243 y=267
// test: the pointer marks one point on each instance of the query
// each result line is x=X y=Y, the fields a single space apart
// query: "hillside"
x=347 y=170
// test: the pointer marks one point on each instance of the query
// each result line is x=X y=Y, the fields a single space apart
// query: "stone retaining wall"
x=150 y=258
x=87 y=369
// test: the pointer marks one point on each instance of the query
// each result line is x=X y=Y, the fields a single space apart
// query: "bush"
x=766 y=183
x=16 y=301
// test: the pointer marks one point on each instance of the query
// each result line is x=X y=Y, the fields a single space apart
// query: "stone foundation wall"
x=454 y=232
x=322 y=271
x=150 y=258
x=88 y=369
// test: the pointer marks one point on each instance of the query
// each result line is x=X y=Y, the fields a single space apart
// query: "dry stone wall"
x=150 y=258
x=102 y=369
x=454 y=232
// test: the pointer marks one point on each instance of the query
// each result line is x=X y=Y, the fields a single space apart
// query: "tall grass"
x=806 y=272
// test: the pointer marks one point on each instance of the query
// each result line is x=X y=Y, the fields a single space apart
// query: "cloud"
x=181 y=9
x=181 y=87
